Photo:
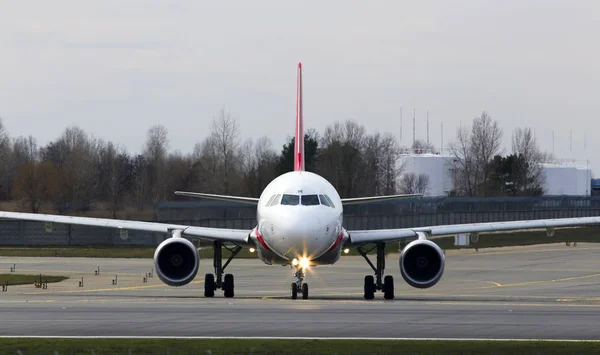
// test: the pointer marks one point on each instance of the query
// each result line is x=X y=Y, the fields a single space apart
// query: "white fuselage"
x=299 y=215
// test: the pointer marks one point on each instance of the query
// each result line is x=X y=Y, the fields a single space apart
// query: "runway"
x=539 y=292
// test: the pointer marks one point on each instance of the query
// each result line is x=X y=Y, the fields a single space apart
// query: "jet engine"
x=176 y=261
x=422 y=263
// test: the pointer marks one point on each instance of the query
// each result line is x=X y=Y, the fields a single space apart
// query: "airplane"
x=300 y=224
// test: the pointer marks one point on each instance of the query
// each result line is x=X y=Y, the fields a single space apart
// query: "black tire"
x=388 y=287
x=228 y=286
x=209 y=285
x=369 y=287
x=294 y=289
x=304 y=291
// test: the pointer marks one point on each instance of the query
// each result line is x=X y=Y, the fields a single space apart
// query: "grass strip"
x=17 y=279
x=295 y=346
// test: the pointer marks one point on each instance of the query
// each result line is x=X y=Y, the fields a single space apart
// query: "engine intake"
x=422 y=263
x=176 y=261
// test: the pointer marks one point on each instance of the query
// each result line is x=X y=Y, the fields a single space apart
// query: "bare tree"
x=155 y=153
x=412 y=183
x=259 y=165
x=36 y=183
x=6 y=171
x=341 y=158
x=473 y=151
x=525 y=145
x=115 y=175
x=225 y=138
x=381 y=154
x=74 y=155
x=464 y=172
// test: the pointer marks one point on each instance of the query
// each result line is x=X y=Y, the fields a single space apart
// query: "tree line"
x=78 y=172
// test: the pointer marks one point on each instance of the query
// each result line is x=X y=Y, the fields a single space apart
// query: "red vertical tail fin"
x=299 y=140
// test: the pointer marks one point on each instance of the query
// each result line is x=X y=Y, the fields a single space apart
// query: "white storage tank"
x=437 y=167
x=566 y=180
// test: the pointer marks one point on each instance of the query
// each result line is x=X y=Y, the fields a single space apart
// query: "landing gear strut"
x=377 y=283
x=298 y=286
x=216 y=281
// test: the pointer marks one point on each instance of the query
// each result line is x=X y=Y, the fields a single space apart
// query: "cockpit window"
x=329 y=200
x=274 y=200
x=270 y=200
x=290 y=200
x=310 y=200
x=324 y=201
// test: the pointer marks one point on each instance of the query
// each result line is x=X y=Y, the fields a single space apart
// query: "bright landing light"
x=252 y=250
x=346 y=251
x=304 y=263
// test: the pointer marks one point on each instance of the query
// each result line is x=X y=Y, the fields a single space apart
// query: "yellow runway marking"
x=481 y=253
x=538 y=282
x=105 y=273
x=128 y=288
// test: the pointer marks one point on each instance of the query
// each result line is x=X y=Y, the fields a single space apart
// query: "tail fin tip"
x=299 y=139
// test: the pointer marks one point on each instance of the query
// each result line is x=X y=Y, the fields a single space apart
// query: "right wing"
x=360 y=237
x=355 y=200
x=251 y=200
x=237 y=236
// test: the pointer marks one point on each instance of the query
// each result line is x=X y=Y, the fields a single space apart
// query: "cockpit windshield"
x=304 y=200
x=290 y=200
x=310 y=200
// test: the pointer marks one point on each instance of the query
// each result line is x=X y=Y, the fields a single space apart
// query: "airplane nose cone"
x=301 y=236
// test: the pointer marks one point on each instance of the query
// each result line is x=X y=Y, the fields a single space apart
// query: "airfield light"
x=252 y=250
x=304 y=263
x=346 y=251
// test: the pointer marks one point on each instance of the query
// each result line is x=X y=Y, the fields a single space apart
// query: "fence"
x=381 y=215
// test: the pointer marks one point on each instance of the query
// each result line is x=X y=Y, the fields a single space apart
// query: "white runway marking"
x=285 y=338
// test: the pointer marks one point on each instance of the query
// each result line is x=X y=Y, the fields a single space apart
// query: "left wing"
x=360 y=237
x=237 y=236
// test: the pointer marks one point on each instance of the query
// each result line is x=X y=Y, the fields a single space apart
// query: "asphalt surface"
x=540 y=292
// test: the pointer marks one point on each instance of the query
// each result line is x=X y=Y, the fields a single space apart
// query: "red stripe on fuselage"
x=337 y=242
x=261 y=240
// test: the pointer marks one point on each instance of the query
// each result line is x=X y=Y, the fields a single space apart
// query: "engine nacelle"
x=176 y=261
x=422 y=263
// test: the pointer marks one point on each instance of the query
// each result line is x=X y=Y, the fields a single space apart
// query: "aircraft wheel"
x=228 y=285
x=388 y=287
x=294 y=291
x=369 y=287
x=209 y=285
x=304 y=291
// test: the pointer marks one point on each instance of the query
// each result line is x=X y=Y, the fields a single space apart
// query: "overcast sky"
x=115 y=68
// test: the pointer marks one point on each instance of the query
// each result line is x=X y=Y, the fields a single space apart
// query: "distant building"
x=563 y=179
x=595 y=187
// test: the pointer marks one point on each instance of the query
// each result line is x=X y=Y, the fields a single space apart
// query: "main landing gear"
x=216 y=281
x=298 y=286
x=377 y=283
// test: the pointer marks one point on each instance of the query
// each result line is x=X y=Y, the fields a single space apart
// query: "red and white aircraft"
x=299 y=223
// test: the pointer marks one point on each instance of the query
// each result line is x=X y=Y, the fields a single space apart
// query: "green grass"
x=17 y=279
x=235 y=346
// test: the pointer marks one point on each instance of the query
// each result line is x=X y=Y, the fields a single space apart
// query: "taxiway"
x=539 y=292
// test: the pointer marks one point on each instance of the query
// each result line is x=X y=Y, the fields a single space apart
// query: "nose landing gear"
x=298 y=286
